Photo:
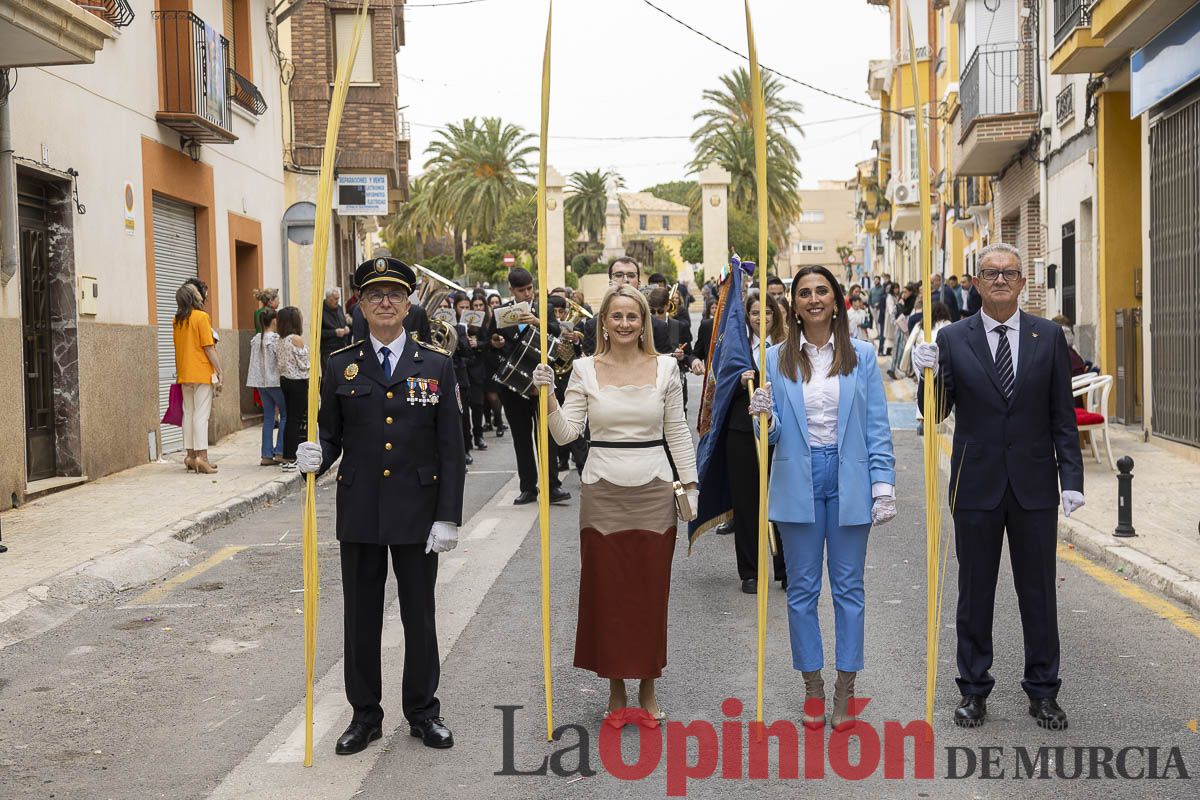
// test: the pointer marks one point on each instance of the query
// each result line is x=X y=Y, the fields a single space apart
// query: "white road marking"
x=483 y=529
x=273 y=771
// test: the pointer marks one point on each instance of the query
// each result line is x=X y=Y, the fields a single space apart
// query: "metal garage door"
x=1175 y=266
x=174 y=262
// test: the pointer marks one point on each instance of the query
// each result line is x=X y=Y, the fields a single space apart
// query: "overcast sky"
x=622 y=69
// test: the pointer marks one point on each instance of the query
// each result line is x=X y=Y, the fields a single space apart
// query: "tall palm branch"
x=586 y=205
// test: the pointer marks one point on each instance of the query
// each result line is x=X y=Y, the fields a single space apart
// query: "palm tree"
x=586 y=205
x=417 y=223
x=476 y=169
x=726 y=135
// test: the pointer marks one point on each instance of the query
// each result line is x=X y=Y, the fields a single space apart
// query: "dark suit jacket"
x=392 y=495
x=1030 y=442
x=703 y=339
x=974 y=301
x=950 y=298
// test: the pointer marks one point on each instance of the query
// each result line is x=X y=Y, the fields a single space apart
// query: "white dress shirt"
x=821 y=395
x=993 y=338
x=395 y=347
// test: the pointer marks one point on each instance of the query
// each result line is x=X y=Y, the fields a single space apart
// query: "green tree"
x=664 y=261
x=418 y=223
x=585 y=206
x=691 y=249
x=483 y=262
x=476 y=169
x=443 y=265
x=517 y=231
x=572 y=280
x=725 y=135
x=580 y=264
x=743 y=237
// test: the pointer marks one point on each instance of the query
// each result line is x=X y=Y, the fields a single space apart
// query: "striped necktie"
x=1004 y=363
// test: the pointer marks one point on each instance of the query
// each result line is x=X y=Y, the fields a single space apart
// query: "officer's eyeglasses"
x=991 y=275
x=377 y=298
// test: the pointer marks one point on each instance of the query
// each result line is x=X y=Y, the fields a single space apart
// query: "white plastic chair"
x=1095 y=390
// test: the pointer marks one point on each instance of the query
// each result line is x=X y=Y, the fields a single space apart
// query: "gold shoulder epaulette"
x=350 y=346
x=434 y=348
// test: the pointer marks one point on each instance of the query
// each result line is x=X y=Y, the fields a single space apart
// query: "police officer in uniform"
x=390 y=408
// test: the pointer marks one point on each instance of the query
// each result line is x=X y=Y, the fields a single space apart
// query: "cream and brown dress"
x=627 y=520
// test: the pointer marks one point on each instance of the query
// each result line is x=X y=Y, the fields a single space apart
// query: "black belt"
x=651 y=443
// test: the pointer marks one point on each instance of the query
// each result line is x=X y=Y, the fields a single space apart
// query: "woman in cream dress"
x=633 y=402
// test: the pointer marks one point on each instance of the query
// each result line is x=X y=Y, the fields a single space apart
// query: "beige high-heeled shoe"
x=202 y=464
x=814 y=699
x=189 y=461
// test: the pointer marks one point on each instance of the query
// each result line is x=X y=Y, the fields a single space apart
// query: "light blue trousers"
x=804 y=545
x=272 y=442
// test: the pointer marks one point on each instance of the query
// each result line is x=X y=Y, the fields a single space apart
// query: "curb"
x=1131 y=563
x=40 y=608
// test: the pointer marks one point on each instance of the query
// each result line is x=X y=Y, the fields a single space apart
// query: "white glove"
x=309 y=457
x=925 y=356
x=543 y=375
x=1071 y=501
x=693 y=498
x=443 y=537
x=760 y=401
x=883 y=510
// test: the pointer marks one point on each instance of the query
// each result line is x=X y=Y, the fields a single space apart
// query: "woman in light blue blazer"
x=833 y=476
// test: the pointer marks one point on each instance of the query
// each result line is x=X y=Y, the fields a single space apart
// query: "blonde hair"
x=646 y=341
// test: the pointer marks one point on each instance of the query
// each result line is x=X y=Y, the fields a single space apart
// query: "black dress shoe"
x=357 y=737
x=971 y=711
x=487 y=427
x=750 y=585
x=724 y=529
x=559 y=495
x=433 y=733
x=500 y=429
x=1048 y=714
x=469 y=458
x=525 y=498
x=480 y=444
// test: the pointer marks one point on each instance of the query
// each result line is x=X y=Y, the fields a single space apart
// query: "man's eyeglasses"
x=377 y=298
x=624 y=276
x=990 y=275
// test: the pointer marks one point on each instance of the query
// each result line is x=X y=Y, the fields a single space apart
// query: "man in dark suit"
x=390 y=408
x=521 y=410
x=625 y=271
x=1015 y=446
x=941 y=293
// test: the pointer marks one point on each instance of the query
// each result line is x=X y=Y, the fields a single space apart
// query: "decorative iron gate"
x=34 y=210
x=1175 y=270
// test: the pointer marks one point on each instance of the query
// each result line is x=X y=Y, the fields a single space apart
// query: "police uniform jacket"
x=400 y=439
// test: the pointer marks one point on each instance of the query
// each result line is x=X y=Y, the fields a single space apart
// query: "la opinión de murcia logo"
x=736 y=749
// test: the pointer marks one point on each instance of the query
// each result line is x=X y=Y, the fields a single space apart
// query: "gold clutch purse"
x=682 y=507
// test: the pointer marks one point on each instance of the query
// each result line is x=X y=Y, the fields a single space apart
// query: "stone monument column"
x=556 y=268
x=714 y=200
x=613 y=248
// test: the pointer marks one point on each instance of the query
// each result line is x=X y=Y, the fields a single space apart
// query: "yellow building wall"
x=1119 y=200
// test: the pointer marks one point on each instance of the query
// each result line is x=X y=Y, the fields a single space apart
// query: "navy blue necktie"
x=387 y=362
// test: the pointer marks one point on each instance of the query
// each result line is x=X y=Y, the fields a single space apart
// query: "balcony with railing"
x=37 y=33
x=1076 y=50
x=247 y=95
x=998 y=97
x=196 y=86
x=115 y=12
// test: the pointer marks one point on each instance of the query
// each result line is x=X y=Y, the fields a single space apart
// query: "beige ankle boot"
x=814 y=699
x=843 y=693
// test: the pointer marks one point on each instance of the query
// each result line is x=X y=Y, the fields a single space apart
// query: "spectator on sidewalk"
x=293 y=361
x=198 y=371
x=859 y=318
x=335 y=330
x=263 y=375
x=267 y=298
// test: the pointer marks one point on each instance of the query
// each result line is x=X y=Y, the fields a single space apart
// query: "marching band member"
x=833 y=476
x=631 y=398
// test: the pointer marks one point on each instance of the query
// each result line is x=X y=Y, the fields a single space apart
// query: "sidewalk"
x=123 y=530
x=1165 y=554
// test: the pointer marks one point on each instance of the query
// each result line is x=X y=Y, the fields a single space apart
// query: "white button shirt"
x=821 y=395
x=993 y=338
x=395 y=347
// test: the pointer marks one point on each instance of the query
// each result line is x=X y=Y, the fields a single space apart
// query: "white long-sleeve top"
x=821 y=395
x=263 y=372
x=627 y=414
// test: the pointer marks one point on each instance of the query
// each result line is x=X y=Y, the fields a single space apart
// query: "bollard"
x=1124 y=498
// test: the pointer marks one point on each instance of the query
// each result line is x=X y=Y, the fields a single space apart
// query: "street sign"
x=510 y=260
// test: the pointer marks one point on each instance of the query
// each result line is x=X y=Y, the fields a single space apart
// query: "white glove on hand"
x=543 y=375
x=760 y=401
x=693 y=498
x=309 y=457
x=925 y=356
x=1071 y=501
x=883 y=510
x=443 y=537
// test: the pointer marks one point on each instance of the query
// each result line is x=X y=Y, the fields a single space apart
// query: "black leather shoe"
x=559 y=495
x=724 y=529
x=433 y=733
x=500 y=429
x=525 y=498
x=480 y=444
x=487 y=427
x=971 y=711
x=750 y=585
x=1048 y=714
x=468 y=458
x=357 y=737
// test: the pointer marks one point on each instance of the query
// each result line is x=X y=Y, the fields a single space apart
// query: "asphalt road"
x=194 y=688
